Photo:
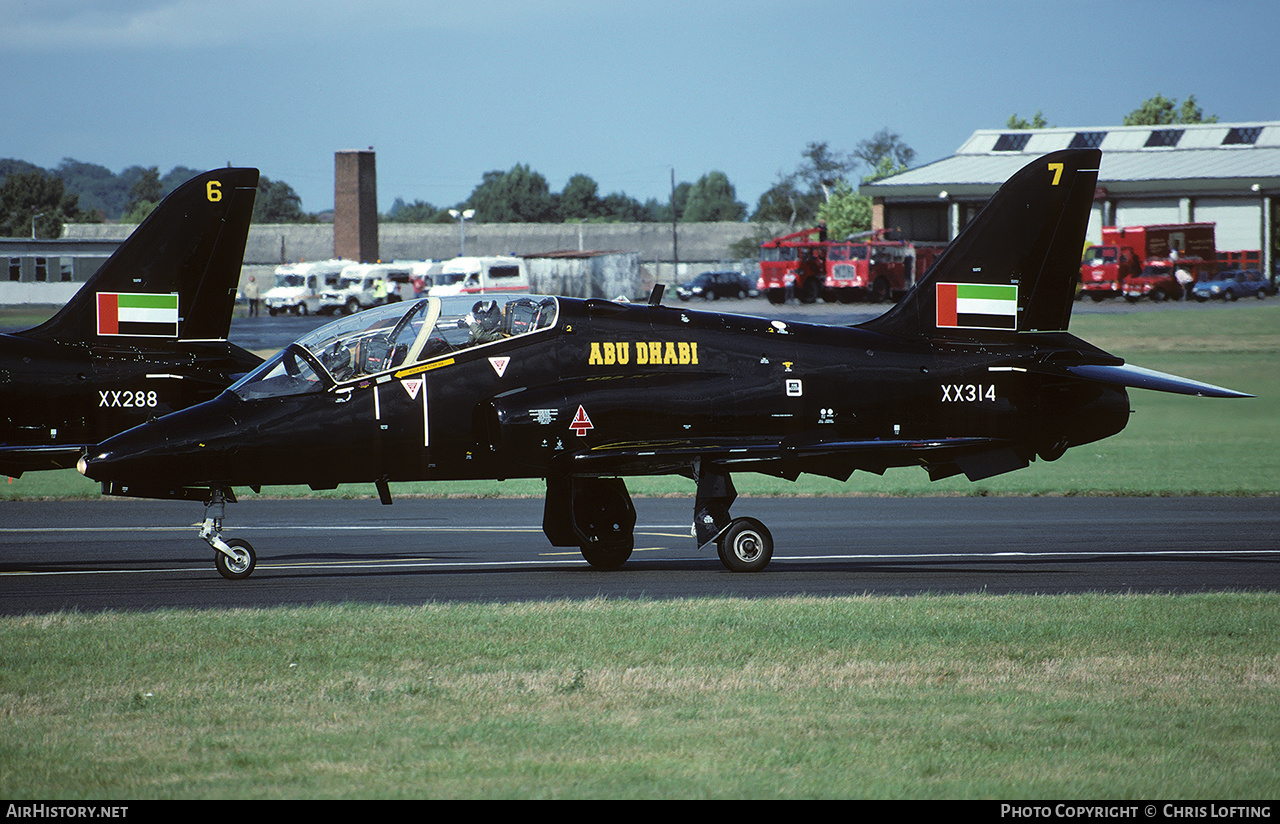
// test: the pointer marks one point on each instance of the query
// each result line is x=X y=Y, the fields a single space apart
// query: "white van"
x=298 y=286
x=476 y=275
x=365 y=285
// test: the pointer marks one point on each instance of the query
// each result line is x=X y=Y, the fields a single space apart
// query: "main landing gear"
x=235 y=559
x=596 y=515
x=744 y=544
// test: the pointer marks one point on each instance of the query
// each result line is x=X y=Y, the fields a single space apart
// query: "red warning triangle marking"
x=581 y=423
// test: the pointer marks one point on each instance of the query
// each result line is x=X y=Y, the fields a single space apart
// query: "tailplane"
x=1014 y=267
x=174 y=277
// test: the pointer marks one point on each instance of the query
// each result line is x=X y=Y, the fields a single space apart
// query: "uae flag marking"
x=145 y=315
x=977 y=306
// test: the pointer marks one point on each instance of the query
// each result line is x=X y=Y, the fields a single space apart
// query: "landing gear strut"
x=235 y=559
x=744 y=544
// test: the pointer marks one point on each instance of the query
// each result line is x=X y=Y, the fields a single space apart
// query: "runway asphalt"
x=145 y=555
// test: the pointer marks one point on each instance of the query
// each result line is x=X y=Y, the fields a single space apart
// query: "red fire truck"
x=796 y=261
x=1126 y=251
x=872 y=266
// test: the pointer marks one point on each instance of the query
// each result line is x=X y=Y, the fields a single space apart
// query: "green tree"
x=821 y=169
x=619 y=206
x=794 y=199
x=783 y=202
x=885 y=144
x=580 y=199
x=99 y=189
x=846 y=212
x=277 y=202
x=1037 y=122
x=417 y=212
x=26 y=195
x=797 y=198
x=713 y=198
x=520 y=195
x=146 y=189
x=1160 y=111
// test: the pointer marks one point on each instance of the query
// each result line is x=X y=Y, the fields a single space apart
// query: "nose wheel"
x=235 y=559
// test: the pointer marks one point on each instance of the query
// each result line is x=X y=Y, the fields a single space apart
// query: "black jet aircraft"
x=145 y=335
x=972 y=372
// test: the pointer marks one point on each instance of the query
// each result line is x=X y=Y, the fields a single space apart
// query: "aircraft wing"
x=832 y=457
x=14 y=460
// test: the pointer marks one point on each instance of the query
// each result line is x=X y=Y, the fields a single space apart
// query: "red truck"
x=1126 y=251
x=872 y=266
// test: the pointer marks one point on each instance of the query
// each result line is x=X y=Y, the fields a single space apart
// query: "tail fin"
x=1014 y=267
x=175 y=277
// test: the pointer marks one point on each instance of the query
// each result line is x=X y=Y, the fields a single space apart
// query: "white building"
x=1224 y=173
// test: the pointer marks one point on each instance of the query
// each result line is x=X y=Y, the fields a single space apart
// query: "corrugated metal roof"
x=1130 y=154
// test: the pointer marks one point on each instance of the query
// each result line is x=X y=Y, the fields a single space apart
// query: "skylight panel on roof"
x=1012 y=142
x=1164 y=138
x=1087 y=140
x=1242 y=136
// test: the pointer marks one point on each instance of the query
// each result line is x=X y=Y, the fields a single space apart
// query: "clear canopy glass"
x=394 y=336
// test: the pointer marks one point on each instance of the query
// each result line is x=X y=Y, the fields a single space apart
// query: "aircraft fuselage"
x=613 y=379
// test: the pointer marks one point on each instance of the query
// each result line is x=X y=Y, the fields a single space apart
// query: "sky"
x=624 y=92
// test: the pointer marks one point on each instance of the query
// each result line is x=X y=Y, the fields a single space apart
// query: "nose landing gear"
x=235 y=559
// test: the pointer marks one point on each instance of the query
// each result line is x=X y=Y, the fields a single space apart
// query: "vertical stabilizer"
x=1014 y=267
x=174 y=277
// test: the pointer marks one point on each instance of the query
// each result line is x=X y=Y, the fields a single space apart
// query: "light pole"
x=33 y=224
x=462 y=218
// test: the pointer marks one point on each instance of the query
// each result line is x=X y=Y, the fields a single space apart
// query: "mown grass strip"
x=957 y=697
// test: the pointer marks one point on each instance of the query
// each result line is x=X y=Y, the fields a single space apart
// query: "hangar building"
x=1225 y=173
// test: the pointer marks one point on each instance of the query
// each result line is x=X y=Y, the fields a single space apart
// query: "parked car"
x=712 y=285
x=1232 y=284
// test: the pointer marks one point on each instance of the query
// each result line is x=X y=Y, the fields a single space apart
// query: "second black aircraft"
x=146 y=335
x=972 y=373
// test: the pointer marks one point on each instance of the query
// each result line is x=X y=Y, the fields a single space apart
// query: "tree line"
x=821 y=187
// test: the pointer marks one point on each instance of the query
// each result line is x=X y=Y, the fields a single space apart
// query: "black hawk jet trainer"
x=145 y=335
x=972 y=372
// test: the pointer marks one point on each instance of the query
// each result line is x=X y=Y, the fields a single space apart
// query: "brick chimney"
x=355 y=206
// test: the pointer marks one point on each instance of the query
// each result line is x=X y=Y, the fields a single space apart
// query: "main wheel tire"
x=746 y=546
x=606 y=557
x=239 y=567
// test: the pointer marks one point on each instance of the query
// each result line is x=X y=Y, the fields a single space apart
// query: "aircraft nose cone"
x=183 y=447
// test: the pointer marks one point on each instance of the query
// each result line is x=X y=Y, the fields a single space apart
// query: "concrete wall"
x=292 y=242
x=701 y=246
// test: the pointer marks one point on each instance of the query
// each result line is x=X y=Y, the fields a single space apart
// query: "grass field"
x=1012 y=697
x=1104 y=697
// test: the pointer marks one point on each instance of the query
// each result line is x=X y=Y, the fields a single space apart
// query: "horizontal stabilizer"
x=1140 y=378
